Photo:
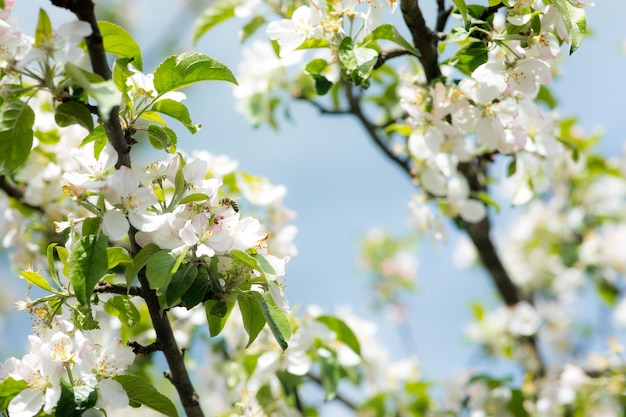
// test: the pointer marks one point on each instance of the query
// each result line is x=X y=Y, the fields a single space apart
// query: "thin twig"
x=355 y=109
x=385 y=56
x=338 y=396
x=139 y=349
x=104 y=287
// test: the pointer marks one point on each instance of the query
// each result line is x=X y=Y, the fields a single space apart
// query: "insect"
x=231 y=203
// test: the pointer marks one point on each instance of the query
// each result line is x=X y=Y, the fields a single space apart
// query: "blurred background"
x=340 y=185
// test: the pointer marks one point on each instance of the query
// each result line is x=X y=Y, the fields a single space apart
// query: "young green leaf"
x=123 y=308
x=139 y=261
x=117 y=256
x=195 y=294
x=9 y=388
x=180 y=283
x=575 y=22
x=35 y=278
x=252 y=315
x=251 y=27
x=216 y=13
x=343 y=332
x=178 y=111
x=105 y=93
x=461 y=6
x=162 y=138
x=16 y=135
x=277 y=321
x=43 y=33
x=159 y=270
x=179 y=71
x=140 y=391
x=217 y=313
x=329 y=369
x=87 y=265
x=390 y=33
x=73 y=113
x=119 y=42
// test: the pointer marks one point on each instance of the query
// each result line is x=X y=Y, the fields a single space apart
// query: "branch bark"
x=424 y=39
x=84 y=10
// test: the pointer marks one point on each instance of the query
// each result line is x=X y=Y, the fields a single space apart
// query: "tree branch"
x=12 y=191
x=338 y=395
x=355 y=109
x=84 y=10
x=384 y=56
x=442 y=16
x=104 y=287
x=423 y=38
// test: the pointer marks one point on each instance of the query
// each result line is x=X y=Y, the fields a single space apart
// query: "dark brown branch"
x=179 y=376
x=12 y=191
x=443 y=14
x=385 y=56
x=104 y=287
x=355 y=109
x=139 y=349
x=424 y=39
x=84 y=10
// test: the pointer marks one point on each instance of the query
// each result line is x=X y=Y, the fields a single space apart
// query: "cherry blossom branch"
x=424 y=39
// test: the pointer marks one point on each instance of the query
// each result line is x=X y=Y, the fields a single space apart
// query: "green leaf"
x=123 y=308
x=252 y=315
x=487 y=199
x=180 y=283
x=51 y=266
x=346 y=53
x=74 y=401
x=277 y=321
x=178 y=111
x=82 y=316
x=16 y=135
x=251 y=27
x=196 y=292
x=43 y=33
x=162 y=138
x=179 y=71
x=120 y=43
x=316 y=66
x=105 y=93
x=2 y=6
x=194 y=198
x=218 y=12
x=390 y=33
x=140 y=391
x=73 y=113
x=461 y=6
x=343 y=332
x=117 y=256
x=35 y=278
x=97 y=135
x=9 y=388
x=139 y=261
x=217 y=313
x=87 y=265
x=329 y=370
x=575 y=22
x=313 y=44
x=160 y=269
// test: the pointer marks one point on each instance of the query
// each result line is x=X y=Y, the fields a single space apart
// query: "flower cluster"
x=64 y=358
